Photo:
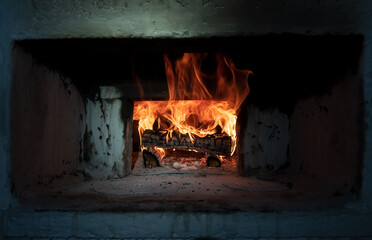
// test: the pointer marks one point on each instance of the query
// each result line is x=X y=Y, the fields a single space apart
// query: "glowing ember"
x=199 y=104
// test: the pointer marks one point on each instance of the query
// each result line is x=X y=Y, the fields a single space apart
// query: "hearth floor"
x=218 y=189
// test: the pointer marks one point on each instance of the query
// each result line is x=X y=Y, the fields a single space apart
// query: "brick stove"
x=302 y=157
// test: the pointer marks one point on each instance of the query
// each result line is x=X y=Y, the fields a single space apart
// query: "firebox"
x=199 y=116
x=204 y=124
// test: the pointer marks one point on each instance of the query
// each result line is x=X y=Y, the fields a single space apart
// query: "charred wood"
x=213 y=161
x=184 y=153
x=150 y=158
x=217 y=144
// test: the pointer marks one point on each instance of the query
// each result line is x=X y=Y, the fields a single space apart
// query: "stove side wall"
x=46 y=125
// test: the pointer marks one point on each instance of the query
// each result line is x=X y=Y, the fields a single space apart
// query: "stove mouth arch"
x=300 y=122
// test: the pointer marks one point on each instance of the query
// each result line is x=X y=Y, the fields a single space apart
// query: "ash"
x=187 y=165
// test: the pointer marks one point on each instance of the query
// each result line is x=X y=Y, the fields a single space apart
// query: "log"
x=184 y=153
x=150 y=158
x=213 y=161
x=217 y=144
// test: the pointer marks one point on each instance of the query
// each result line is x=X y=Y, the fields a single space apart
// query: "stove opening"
x=214 y=124
x=196 y=126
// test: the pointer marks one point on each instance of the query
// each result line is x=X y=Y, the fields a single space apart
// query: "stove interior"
x=201 y=124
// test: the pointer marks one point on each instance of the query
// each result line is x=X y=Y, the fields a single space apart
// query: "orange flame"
x=198 y=102
x=160 y=151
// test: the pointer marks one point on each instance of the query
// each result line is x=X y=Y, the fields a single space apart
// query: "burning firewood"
x=182 y=145
x=172 y=153
x=151 y=158
x=216 y=144
x=198 y=116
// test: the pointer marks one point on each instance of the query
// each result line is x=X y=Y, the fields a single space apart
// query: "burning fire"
x=199 y=104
